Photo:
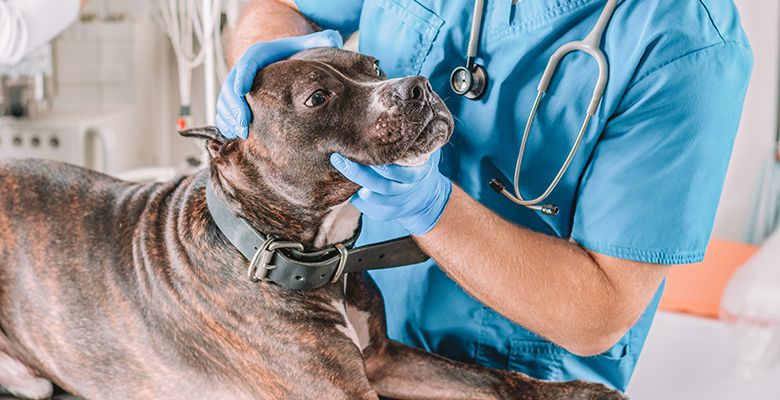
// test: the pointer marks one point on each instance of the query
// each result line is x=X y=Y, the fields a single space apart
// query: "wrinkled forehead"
x=354 y=65
x=311 y=65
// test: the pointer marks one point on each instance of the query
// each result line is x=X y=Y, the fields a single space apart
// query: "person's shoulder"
x=684 y=23
x=670 y=30
x=725 y=18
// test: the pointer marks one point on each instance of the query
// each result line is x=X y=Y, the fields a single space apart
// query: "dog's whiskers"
x=457 y=121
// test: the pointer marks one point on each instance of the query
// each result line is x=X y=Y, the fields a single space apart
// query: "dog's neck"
x=317 y=223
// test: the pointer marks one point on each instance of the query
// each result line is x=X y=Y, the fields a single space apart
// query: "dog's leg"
x=21 y=381
x=18 y=379
x=402 y=372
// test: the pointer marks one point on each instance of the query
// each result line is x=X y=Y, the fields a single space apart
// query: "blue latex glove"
x=233 y=113
x=414 y=197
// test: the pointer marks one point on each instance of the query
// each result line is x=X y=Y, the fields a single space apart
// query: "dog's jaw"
x=414 y=161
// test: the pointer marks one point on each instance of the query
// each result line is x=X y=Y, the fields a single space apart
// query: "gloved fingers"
x=403 y=174
x=403 y=201
x=229 y=82
x=376 y=211
x=233 y=112
x=261 y=54
x=395 y=205
x=227 y=130
x=247 y=66
x=224 y=128
x=435 y=157
x=325 y=38
x=365 y=176
x=364 y=208
x=410 y=174
x=237 y=106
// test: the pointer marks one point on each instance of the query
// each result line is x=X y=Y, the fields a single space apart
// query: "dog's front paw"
x=581 y=390
x=33 y=388
x=517 y=386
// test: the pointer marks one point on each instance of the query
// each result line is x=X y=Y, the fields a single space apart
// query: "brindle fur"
x=119 y=290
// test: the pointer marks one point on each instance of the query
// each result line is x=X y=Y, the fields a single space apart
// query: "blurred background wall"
x=759 y=121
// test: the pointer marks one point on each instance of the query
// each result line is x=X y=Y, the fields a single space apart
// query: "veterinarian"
x=26 y=25
x=568 y=293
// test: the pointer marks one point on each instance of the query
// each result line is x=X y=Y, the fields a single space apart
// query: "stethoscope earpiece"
x=470 y=83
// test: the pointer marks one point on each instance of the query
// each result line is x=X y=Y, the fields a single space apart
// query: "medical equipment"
x=26 y=88
x=25 y=96
x=105 y=141
x=187 y=25
x=471 y=81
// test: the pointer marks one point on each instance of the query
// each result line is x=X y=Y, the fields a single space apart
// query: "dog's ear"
x=216 y=143
x=204 y=132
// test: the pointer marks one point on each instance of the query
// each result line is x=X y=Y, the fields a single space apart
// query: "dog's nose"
x=414 y=88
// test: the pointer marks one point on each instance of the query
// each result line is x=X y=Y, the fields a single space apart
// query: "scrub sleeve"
x=652 y=189
x=341 y=15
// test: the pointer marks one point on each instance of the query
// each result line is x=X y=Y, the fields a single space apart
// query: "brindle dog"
x=119 y=290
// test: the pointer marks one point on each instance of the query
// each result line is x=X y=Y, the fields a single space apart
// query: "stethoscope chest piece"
x=470 y=83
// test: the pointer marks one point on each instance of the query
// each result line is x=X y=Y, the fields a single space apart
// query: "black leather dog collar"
x=306 y=270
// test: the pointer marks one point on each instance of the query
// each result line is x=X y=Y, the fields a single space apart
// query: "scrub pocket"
x=543 y=360
x=613 y=367
x=537 y=358
x=399 y=33
x=618 y=353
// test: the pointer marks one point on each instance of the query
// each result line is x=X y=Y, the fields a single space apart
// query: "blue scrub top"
x=644 y=185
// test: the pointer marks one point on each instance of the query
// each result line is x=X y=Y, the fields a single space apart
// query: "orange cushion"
x=698 y=288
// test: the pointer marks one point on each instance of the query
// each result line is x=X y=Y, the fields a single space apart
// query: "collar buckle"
x=260 y=266
x=343 y=254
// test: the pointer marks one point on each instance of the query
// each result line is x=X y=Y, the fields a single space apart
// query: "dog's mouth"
x=404 y=132
x=433 y=135
x=426 y=144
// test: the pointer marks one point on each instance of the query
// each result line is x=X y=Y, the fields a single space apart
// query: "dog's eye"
x=317 y=98
x=377 y=70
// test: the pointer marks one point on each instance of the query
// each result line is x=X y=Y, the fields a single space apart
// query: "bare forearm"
x=263 y=20
x=549 y=285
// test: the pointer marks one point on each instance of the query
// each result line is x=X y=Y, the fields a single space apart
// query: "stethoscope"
x=471 y=82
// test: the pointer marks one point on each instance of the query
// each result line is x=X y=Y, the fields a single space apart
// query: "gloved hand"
x=233 y=113
x=414 y=197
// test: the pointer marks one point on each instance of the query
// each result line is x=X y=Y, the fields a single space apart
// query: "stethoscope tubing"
x=591 y=45
x=476 y=28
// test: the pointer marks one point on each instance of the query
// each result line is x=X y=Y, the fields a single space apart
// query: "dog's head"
x=323 y=101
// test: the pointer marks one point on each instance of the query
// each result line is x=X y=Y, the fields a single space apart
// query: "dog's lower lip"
x=426 y=129
x=434 y=118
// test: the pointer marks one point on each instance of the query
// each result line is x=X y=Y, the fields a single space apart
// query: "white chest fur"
x=355 y=322
x=338 y=226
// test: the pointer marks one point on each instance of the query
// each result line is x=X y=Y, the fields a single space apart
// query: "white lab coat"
x=25 y=25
